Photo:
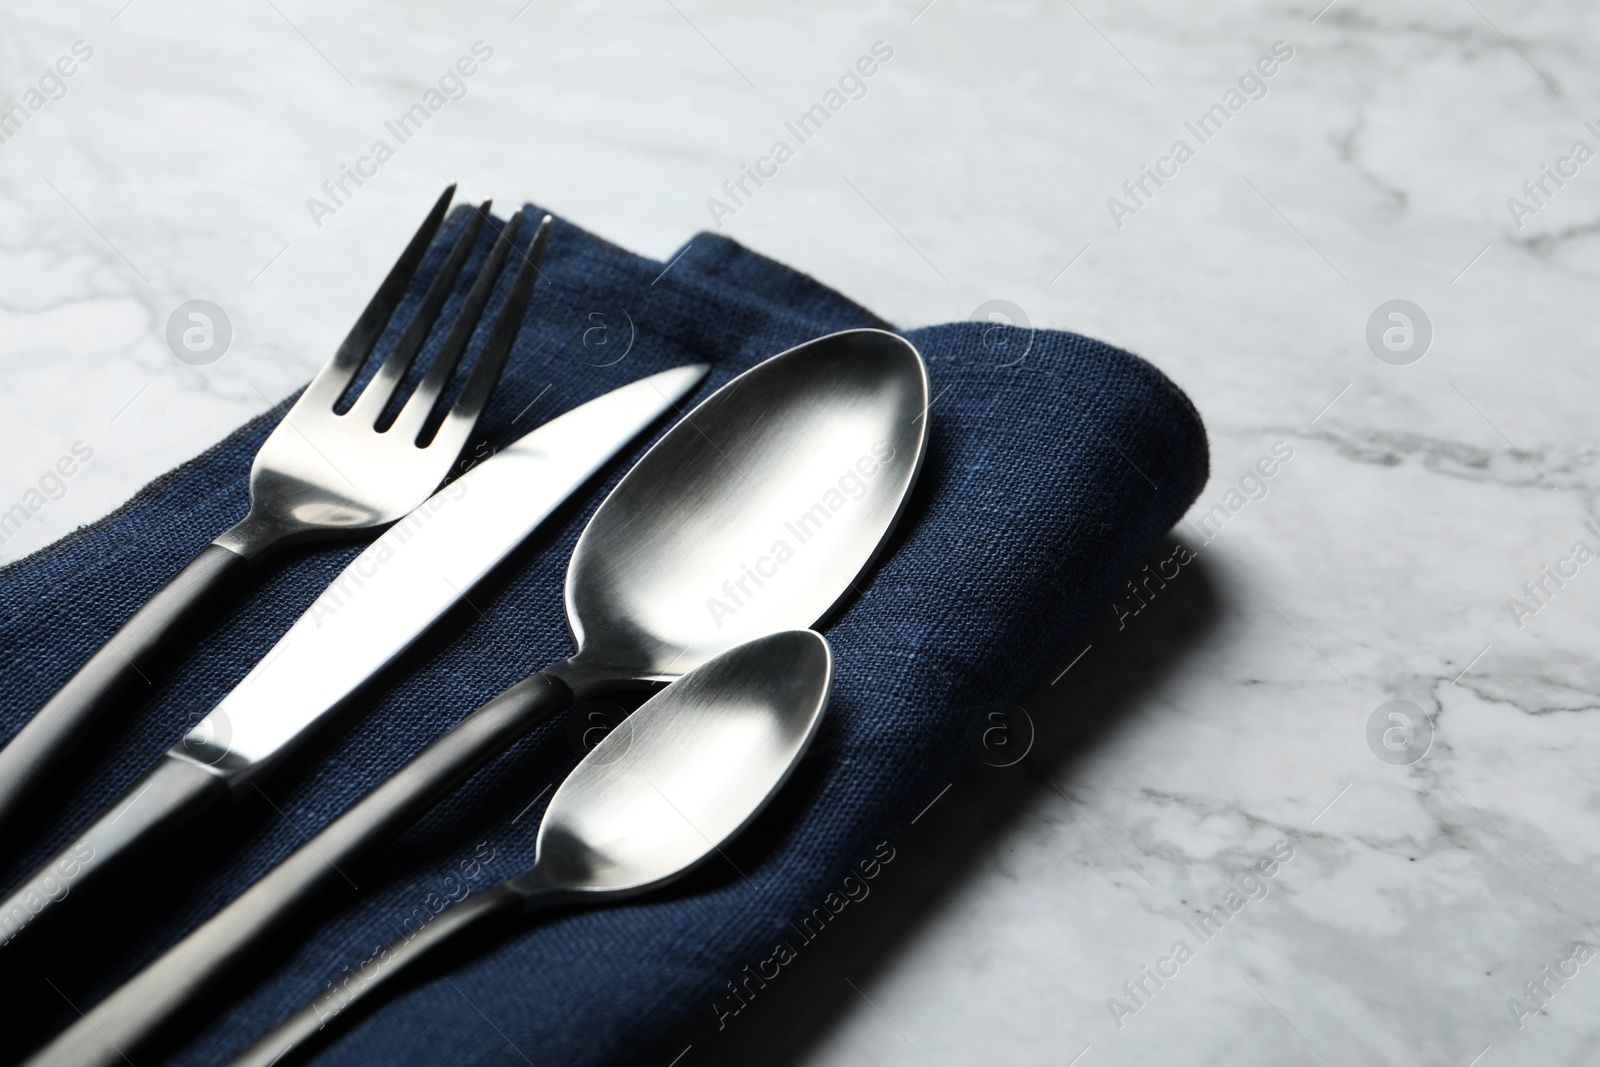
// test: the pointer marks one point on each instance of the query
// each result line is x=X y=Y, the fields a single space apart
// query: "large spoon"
x=756 y=513
x=657 y=796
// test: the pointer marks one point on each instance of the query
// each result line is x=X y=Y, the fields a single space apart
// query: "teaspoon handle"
x=190 y=969
x=280 y=1045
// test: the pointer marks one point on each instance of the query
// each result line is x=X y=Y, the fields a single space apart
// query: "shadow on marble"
x=791 y=1020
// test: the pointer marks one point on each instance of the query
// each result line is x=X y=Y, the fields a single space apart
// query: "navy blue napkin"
x=1056 y=462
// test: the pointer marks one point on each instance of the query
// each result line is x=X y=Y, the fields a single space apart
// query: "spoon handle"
x=312 y=1018
x=191 y=968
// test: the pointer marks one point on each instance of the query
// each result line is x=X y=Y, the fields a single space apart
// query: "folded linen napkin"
x=1055 y=463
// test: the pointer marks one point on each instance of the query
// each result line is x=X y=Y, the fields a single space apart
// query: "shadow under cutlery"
x=795 y=1015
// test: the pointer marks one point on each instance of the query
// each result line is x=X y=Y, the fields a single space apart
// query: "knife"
x=374 y=610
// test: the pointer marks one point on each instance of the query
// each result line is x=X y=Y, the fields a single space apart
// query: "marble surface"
x=1227 y=718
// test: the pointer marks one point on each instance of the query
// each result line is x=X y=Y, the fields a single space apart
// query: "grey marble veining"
x=1222 y=726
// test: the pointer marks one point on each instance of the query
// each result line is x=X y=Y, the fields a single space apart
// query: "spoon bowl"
x=755 y=513
x=686 y=771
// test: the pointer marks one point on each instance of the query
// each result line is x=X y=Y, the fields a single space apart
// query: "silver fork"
x=321 y=474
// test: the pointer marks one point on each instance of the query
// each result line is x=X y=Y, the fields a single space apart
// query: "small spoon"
x=657 y=796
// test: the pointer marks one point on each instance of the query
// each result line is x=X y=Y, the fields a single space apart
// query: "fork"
x=321 y=474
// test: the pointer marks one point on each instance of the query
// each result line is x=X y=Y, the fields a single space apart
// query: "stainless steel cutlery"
x=758 y=512
x=755 y=515
x=320 y=474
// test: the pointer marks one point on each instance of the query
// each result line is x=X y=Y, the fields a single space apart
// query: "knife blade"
x=377 y=607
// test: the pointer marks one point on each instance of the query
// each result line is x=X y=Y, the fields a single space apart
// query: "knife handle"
x=169 y=795
x=112 y=671
x=475 y=914
x=191 y=967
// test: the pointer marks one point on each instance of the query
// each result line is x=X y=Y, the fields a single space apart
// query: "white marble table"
x=1230 y=714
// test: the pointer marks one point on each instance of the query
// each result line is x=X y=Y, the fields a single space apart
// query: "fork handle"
x=113 y=672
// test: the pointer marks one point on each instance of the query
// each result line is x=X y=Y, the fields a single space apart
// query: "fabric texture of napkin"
x=1055 y=464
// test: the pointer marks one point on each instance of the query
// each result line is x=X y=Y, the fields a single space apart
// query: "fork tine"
x=420 y=404
x=335 y=375
x=474 y=396
x=369 y=406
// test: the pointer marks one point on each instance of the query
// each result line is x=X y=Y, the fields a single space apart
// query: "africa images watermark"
x=51 y=85
x=852 y=888
x=1540 y=591
x=1253 y=484
x=1399 y=732
x=52 y=485
x=852 y=85
x=1250 y=887
x=451 y=85
x=1565 y=169
x=1543 y=987
x=199 y=332
x=53 y=884
x=851 y=485
x=351 y=580
x=1252 y=85
x=345 y=988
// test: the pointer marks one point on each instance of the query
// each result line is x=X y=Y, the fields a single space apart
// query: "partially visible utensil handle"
x=163 y=989
x=108 y=675
x=170 y=794
x=308 y=1020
